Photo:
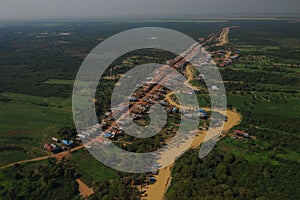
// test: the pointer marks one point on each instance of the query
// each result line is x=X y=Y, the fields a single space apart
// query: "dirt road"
x=227 y=56
x=58 y=156
x=190 y=75
x=233 y=119
x=223 y=38
x=157 y=190
x=25 y=161
x=84 y=190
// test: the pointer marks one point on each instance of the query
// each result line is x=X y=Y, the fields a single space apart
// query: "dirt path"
x=223 y=39
x=85 y=191
x=173 y=103
x=227 y=56
x=157 y=190
x=25 y=161
x=233 y=119
x=58 y=156
x=190 y=75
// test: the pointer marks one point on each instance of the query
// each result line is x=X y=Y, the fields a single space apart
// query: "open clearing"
x=59 y=82
x=91 y=169
x=27 y=122
x=84 y=190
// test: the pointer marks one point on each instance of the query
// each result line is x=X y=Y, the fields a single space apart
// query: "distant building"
x=174 y=110
x=107 y=135
x=48 y=147
x=152 y=179
x=81 y=136
x=107 y=114
x=163 y=103
x=241 y=133
x=66 y=142
x=132 y=99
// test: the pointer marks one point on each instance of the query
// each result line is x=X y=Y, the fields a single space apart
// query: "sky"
x=44 y=9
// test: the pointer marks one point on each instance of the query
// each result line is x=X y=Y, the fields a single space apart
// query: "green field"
x=245 y=149
x=90 y=169
x=59 y=82
x=27 y=122
x=274 y=105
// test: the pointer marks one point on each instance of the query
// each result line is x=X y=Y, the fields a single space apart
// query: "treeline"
x=235 y=87
x=48 y=180
x=258 y=77
x=121 y=189
x=28 y=80
x=221 y=175
x=11 y=148
x=280 y=133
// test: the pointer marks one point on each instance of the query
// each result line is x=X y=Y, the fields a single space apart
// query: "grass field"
x=59 y=82
x=264 y=99
x=270 y=48
x=27 y=122
x=276 y=105
x=91 y=169
x=243 y=149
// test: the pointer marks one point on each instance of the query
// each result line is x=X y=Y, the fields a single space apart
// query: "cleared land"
x=59 y=82
x=27 y=122
x=85 y=191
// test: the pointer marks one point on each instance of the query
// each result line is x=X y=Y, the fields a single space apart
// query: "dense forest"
x=42 y=181
x=222 y=175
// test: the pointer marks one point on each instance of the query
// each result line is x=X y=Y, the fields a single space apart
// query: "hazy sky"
x=10 y=9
